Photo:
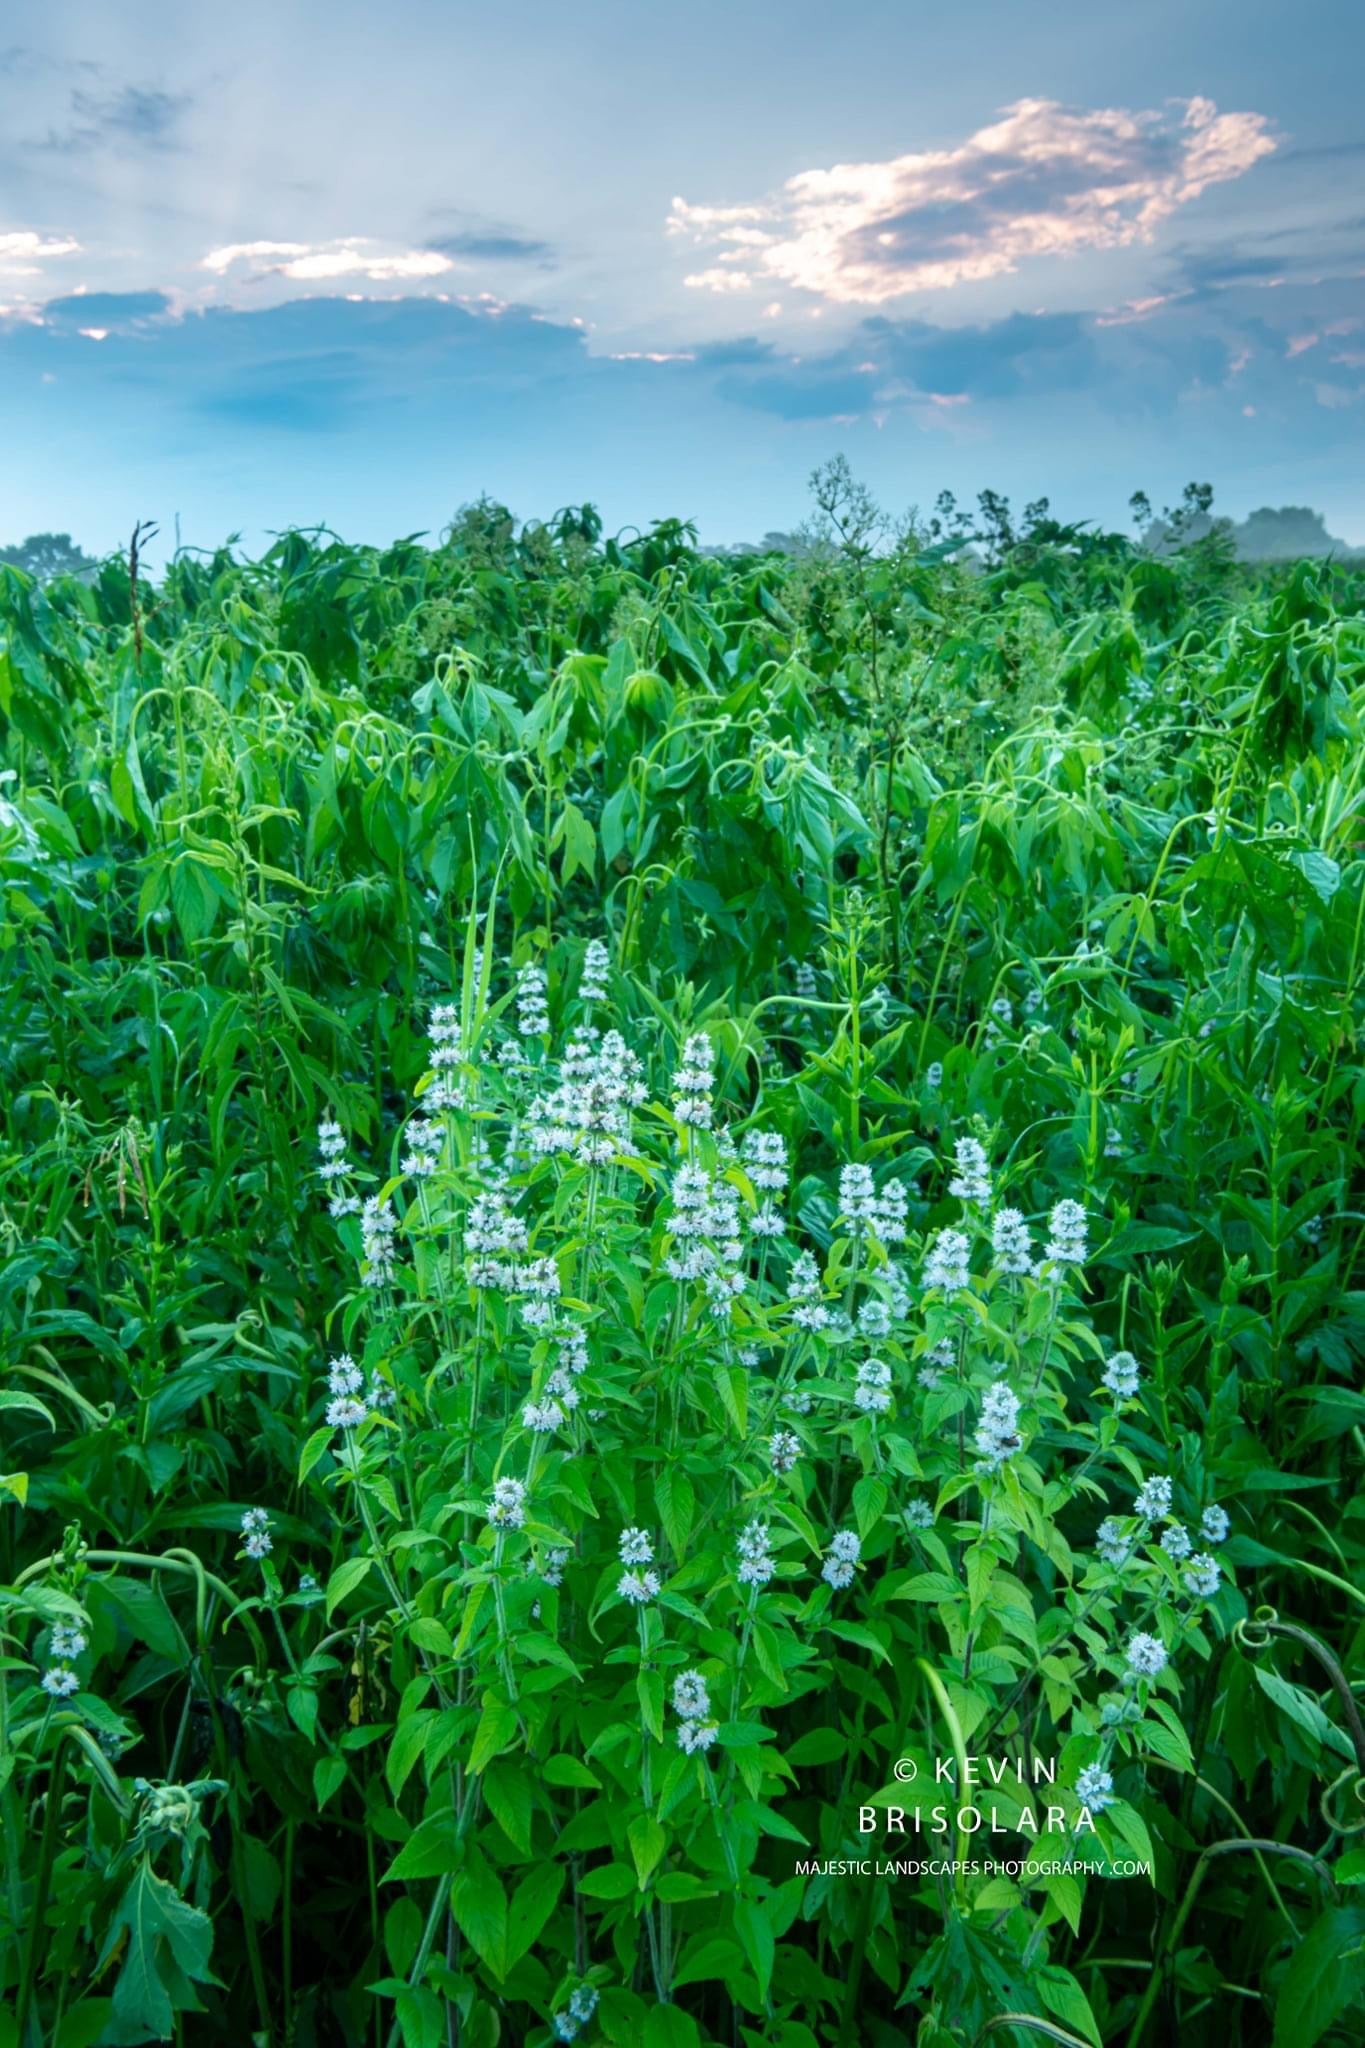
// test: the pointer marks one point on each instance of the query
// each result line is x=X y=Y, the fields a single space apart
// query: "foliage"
x=829 y=1267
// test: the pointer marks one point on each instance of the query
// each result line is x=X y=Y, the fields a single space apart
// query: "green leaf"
x=1325 y=1976
x=497 y=1728
x=532 y=1904
x=1061 y=1994
x=870 y=1496
x=649 y=1686
x=647 y=1844
x=329 y=1775
x=144 y=1612
x=677 y=1503
x=318 y=1444
x=345 y=1579
x=433 y=1849
x=1304 y=1710
x=479 y=1904
x=732 y=1384
x=507 y=1791
x=755 y=1932
x=167 y=1954
x=927 y=1586
x=668 y=2026
x=817 y=1746
x=567 y=1770
x=608 y=1881
x=11 y=1399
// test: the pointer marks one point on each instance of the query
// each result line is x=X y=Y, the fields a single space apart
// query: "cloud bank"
x=1043 y=180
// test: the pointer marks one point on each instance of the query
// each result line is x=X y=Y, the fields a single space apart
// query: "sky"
x=271 y=265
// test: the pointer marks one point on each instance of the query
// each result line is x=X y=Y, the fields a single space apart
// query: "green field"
x=655 y=1205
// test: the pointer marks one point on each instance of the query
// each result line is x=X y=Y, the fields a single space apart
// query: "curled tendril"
x=1357 y=1783
x=1254 y=1635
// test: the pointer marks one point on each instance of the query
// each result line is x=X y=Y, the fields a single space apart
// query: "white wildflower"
x=1122 y=1375
x=1146 y=1655
x=873 y=1380
x=507 y=1508
x=1066 y=1245
x=592 y=984
x=972 y=1180
x=533 y=1016
x=694 y=1083
x=638 y=1587
x=783 y=1450
x=1011 y=1243
x=1095 y=1788
x=377 y=1229
x=947 y=1264
x=1154 y=1497
x=997 y=1435
x=1203 y=1575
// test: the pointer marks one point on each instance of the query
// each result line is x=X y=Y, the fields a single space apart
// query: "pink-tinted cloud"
x=1042 y=180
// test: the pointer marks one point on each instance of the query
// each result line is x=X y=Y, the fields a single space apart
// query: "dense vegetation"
x=654 y=1205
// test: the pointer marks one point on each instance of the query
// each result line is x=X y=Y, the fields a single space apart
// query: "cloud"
x=24 y=250
x=717 y=280
x=316 y=262
x=1043 y=180
x=110 y=312
x=137 y=115
x=890 y=365
x=493 y=248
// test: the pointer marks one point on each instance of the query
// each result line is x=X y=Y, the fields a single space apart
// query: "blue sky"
x=275 y=265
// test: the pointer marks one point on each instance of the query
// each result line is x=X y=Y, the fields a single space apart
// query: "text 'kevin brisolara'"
x=969 y=1820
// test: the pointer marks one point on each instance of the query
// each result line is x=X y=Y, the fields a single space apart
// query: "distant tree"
x=46 y=555
x=847 y=514
x=997 y=526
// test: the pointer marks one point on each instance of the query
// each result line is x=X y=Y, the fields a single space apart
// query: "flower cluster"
x=997 y=1433
x=377 y=1230
x=806 y=1294
x=588 y=1114
x=576 y=2014
x=425 y=1141
x=346 y=1409
x=256 y=1533
x=533 y=1015
x=1066 y=1244
x=972 y=1180
x=694 y=1083
x=336 y=1168
x=865 y=1213
x=705 y=1232
x=871 y=1391
x=1122 y=1376
x=756 y=1561
x=592 y=984
x=948 y=1263
x=507 y=1508
x=692 y=1705
x=1011 y=1243
x=446 y=1053
x=1095 y=1788
x=637 y=1586
x=841 y=1558
x=783 y=1450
